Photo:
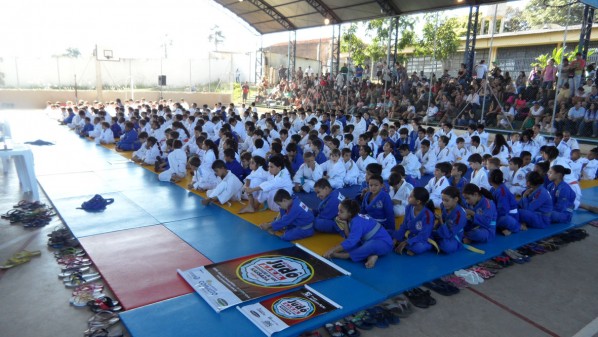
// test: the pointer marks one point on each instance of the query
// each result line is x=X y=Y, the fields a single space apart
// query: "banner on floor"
x=229 y=283
x=282 y=311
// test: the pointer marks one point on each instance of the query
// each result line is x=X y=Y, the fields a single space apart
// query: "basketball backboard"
x=106 y=53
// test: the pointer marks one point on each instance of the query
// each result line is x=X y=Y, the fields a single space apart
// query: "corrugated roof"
x=271 y=16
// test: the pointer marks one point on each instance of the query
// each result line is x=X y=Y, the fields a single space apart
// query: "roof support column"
x=335 y=50
x=472 y=32
x=586 y=31
x=292 y=54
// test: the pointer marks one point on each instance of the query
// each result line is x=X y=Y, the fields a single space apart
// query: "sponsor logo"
x=222 y=302
x=419 y=225
x=254 y=313
x=293 y=308
x=275 y=271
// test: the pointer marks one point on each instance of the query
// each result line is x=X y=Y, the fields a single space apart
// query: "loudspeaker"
x=162 y=80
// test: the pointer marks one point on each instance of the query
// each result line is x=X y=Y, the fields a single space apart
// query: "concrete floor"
x=553 y=295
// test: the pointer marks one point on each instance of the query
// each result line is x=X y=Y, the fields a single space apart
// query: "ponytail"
x=210 y=144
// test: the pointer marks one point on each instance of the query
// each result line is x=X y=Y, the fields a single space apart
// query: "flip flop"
x=350 y=329
x=456 y=281
x=469 y=276
x=389 y=316
x=362 y=319
x=404 y=304
x=335 y=330
x=417 y=297
x=441 y=287
x=394 y=308
x=378 y=314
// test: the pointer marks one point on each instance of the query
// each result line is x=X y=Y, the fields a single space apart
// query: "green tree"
x=352 y=44
x=514 y=20
x=440 y=39
x=216 y=36
x=540 y=12
x=72 y=52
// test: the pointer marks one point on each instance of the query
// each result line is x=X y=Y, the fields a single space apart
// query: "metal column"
x=292 y=57
x=395 y=21
x=472 y=33
x=586 y=31
x=335 y=50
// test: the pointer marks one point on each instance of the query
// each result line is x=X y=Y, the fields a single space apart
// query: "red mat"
x=140 y=265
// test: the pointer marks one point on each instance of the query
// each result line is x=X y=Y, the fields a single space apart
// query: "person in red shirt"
x=245 y=89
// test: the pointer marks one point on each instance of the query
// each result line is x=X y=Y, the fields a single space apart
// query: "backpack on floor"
x=97 y=203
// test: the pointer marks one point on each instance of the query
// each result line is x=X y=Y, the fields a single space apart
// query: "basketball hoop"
x=108 y=54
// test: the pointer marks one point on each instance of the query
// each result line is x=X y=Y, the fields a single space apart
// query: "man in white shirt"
x=571 y=142
x=575 y=116
x=481 y=69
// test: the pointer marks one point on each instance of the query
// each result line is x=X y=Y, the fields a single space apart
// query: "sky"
x=137 y=29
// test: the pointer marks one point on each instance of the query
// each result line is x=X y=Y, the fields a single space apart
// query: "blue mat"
x=224 y=236
x=189 y=315
x=395 y=273
x=66 y=185
x=312 y=201
x=122 y=214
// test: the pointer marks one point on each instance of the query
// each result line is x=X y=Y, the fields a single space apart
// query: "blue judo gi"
x=482 y=227
x=449 y=234
x=327 y=211
x=507 y=215
x=563 y=199
x=535 y=209
x=298 y=221
x=129 y=141
x=86 y=129
x=366 y=237
x=297 y=161
x=380 y=209
x=416 y=229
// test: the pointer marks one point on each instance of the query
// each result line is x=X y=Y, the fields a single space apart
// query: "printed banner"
x=229 y=283
x=282 y=311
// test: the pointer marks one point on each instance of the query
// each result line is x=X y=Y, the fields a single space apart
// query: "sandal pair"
x=441 y=287
x=102 y=320
x=420 y=298
x=19 y=258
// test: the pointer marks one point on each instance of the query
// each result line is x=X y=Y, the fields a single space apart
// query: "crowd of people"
x=490 y=96
x=451 y=189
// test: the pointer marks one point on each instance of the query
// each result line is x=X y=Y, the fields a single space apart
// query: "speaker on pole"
x=162 y=80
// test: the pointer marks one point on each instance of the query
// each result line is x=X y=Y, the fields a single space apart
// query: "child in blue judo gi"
x=507 y=215
x=535 y=205
x=328 y=208
x=365 y=239
x=414 y=234
x=377 y=203
x=296 y=219
x=448 y=232
x=129 y=140
x=563 y=196
x=481 y=215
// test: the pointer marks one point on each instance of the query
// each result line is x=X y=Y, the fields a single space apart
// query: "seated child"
x=257 y=176
x=400 y=190
x=335 y=169
x=437 y=184
x=202 y=178
x=129 y=140
x=352 y=174
x=535 y=205
x=364 y=160
x=328 y=207
x=228 y=188
x=279 y=178
x=151 y=153
x=460 y=152
x=106 y=135
x=295 y=218
x=232 y=164
x=309 y=172
x=140 y=153
x=295 y=156
x=481 y=215
x=563 y=197
x=457 y=178
x=590 y=170
x=387 y=160
x=448 y=232
x=478 y=176
x=377 y=203
x=507 y=215
x=87 y=128
x=414 y=234
x=177 y=160
x=515 y=182
x=365 y=239
x=410 y=162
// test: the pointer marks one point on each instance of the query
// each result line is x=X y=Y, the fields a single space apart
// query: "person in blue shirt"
x=403 y=139
x=448 y=232
x=377 y=203
x=535 y=205
x=507 y=215
x=563 y=196
x=365 y=239
x=481 y=215
x=295 y=218
x=116 y=130
x=87 y=128
x=295 y=156
x=232 y=164
x=328 y=208
x=129 y=140
x=414 y=234
x=316 y=148
x=69 y=118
